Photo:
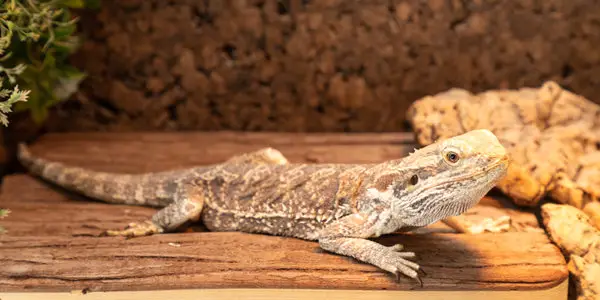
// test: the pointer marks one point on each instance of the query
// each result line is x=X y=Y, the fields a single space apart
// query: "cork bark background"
x=326 y=65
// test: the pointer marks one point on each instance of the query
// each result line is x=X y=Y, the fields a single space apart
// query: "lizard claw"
x=417 y=278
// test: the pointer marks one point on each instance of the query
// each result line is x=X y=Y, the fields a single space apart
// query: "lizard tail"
x=154 y=189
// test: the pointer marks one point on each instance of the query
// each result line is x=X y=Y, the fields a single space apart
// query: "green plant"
x=3 y=214
x=37 y=38
x=15 y=95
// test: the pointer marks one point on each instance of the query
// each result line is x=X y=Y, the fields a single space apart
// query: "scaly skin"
x=339 y=205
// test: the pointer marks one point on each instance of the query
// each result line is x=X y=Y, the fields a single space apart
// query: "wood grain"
x=51 y=243
x=238 y=260
x=147 y=152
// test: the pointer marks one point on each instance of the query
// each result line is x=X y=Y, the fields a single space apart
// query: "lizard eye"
x=414 y=179
x=452 y=156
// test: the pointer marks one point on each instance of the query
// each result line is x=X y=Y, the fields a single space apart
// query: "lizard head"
x=442 y=179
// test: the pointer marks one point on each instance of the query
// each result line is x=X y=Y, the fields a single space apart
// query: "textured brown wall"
x=326 y=65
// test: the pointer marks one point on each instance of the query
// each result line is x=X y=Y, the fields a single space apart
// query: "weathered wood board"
x=51 y=243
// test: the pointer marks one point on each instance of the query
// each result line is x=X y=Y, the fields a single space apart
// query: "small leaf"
x=4 y=212
x=74 y=3
x=67 y=86
x=38 y=37
x=70 y=71
x=64 y=31
x=92 y=4
x=67 y=46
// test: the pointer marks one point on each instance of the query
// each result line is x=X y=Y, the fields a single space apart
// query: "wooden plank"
x=239 y=260
x=51 y=243
x=558 y=292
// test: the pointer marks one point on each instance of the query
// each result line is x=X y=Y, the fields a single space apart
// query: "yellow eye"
x=452 y=156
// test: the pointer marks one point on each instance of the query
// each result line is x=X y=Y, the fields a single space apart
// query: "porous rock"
x=573 y=232
x=551 y=134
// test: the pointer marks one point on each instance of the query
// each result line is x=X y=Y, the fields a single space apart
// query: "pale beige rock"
x=553 y=137
x=593 y=211
x=572 y=230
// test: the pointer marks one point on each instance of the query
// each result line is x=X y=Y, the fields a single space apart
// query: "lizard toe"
x=397 y=247
x=399 y=275
x=404 y=270
x=418 y=279
x=406 y=254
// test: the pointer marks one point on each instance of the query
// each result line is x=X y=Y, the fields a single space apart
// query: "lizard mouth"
x=495 y=164
x=488 y=168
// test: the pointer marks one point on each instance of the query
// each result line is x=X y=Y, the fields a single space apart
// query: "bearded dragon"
x=341 y=206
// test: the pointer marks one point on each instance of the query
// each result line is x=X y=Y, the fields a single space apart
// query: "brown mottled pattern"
x=275 y=197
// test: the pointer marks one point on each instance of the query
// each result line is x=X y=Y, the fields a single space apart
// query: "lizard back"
x=291 y=199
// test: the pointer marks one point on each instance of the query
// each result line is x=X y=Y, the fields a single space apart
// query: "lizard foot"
x=135 y=230
x=395 y=262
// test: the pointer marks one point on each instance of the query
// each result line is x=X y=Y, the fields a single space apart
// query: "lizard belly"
x=305 y=228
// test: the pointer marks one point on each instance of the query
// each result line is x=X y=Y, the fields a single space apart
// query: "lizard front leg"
x=349 y=236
